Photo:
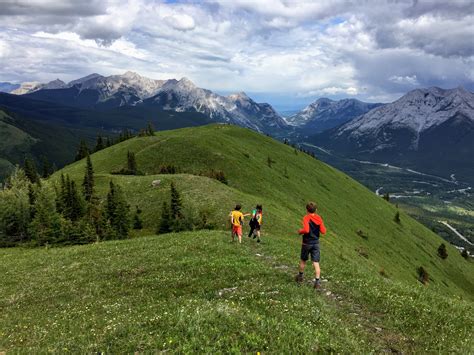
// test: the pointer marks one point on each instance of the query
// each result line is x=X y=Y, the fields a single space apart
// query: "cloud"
x=410 y=80
x=302 y=49
x=181 y=22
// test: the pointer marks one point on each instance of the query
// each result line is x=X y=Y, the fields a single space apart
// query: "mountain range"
x=325 y=113
x=130 y=89
x=429 y=129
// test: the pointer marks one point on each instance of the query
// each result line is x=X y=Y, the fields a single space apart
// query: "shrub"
x=363 y=252
x=361 y=234
x=216 y=174
x=137 y=221
x=423 y=275
x=203 y=221
x=386 y=196
x=442 y=252
x=270 y=162
x=383 y=273
x=397 y=217
x=465 y=254
x=168 y=169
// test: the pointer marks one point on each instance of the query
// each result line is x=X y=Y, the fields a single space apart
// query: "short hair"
x=258 y=208
x=311 y=207
x=238 y=207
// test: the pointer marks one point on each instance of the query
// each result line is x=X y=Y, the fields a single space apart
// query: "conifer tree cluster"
x=100 y=144
x=148 y=132
x=173 y=216
x=40 y=212
x=82 y=151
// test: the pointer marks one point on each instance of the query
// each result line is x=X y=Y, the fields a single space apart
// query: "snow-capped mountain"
x=8 y=87
x=431 y=129
x=184 y=95
x=325 y=113
x=417 y=111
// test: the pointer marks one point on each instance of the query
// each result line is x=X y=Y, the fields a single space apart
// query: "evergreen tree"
x=99 y=144
x=175 y=203
x=88 y=182
x=137 y=222
x=442 y=252
x=386 y=196
x=150 y=130
x=47 y=168
x=108 y=142
x=82 y=151
x=165 y=222
x=30 y=171
x=45 y=228
x=117 y=211
x=96 y=218
x=61 y=195
x=31 y=199
x=72 y=206
x=15 y=209
x=76 y=204
x=131 y=163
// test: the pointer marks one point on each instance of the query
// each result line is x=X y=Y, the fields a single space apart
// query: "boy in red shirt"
x=313 y=226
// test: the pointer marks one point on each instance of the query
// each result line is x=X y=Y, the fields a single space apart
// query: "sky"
x=287 y=53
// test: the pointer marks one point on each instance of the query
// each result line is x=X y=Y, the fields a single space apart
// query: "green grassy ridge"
x=345 y=205
x=14 y=143
x=196 y=292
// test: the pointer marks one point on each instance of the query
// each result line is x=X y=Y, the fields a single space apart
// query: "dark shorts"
x=310 y=249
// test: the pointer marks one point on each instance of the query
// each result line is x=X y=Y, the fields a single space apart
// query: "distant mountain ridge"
x=130 y=89
x=430 y=129
x=325 y=113
x=8 y=87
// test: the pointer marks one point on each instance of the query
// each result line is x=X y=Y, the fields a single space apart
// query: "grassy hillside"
x=197 y=292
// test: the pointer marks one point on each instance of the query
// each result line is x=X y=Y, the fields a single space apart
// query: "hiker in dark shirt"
x=313 y=226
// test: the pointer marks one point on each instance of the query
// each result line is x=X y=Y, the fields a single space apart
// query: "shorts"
x=310 y=249
x=237 y=230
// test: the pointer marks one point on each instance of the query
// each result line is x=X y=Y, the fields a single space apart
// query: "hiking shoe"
x=299 y=278
x=254 y=236
x=317 y=284
x=258 y=240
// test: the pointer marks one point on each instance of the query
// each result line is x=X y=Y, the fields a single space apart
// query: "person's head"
x=259 y=208
x=311 y=207
x=238 y=207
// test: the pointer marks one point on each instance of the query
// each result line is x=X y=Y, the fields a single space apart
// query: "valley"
x=428 y=198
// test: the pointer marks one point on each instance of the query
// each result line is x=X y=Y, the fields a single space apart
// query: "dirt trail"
x=372 y=323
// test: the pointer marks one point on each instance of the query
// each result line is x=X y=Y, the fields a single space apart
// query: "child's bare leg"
x=317 y=270
x=240 y=238
x=302 y=265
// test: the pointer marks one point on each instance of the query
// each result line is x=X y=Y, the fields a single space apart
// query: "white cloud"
x=181 y=22
x=368 y=49
x=410 y=80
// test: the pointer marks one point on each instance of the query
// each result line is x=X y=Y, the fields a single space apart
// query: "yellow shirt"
x=237 y=218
